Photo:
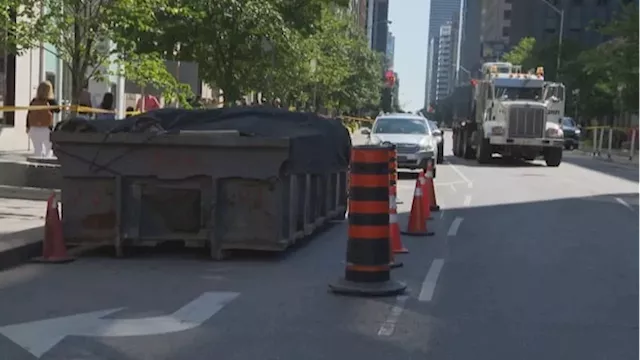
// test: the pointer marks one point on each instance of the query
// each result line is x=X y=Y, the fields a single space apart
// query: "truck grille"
x=526 y=122
x=407 y=148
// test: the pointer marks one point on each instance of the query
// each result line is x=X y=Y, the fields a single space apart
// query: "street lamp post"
x=560 y=34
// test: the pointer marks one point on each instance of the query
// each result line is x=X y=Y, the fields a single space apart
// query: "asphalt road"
x=528 y=262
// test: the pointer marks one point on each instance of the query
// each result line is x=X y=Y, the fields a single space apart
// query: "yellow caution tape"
x=76 y=108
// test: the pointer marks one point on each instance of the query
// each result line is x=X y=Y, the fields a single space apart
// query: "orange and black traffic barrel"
x=367 y=270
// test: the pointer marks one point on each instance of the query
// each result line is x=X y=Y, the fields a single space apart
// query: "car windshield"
x=568 y=122
x=515 y=93
x=400 y=126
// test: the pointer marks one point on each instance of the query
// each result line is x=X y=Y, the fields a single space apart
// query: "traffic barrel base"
x=386 y=288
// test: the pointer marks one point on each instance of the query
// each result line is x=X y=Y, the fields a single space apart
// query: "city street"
x=528 y=262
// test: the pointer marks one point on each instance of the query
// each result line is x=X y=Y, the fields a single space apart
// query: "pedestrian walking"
x=40 y=122
x=147 y=102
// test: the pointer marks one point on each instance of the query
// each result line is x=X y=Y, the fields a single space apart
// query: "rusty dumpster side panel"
x=222 y=192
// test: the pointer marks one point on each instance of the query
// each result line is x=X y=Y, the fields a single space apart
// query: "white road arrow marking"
x=40 y=336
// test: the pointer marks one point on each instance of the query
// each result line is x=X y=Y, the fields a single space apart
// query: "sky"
x=410 y=24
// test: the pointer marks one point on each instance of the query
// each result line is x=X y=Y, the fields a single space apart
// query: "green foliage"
x=597 y=73
x=522 y=53
x=89 y=35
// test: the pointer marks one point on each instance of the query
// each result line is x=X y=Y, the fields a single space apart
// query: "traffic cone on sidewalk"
x=54 y=249
x=417 y=225
x=430 y=190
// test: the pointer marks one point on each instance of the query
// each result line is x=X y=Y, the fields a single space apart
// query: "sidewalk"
x=617 y=157
x=21 y=230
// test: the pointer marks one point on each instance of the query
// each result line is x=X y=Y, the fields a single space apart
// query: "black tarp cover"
x=318 y=145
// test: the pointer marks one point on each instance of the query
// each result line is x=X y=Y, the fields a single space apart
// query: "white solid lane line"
x=462 y=176
x=431 y=280
x=389 y=325
x=455 y=225
x=624 y=203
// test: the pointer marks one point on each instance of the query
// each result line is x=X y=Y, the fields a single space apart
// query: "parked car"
x=438 y=133
x=571 y=132
x=415 y=142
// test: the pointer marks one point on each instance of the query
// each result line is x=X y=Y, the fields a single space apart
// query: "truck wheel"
x=483 y=152
x=553 y=156
x=468 y=150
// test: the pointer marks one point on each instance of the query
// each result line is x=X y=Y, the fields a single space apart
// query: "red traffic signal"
x=389 y=78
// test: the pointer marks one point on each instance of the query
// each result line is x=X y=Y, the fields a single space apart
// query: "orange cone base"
x=396 y=264
x=386 y=288
x=434 y=208
x=54 y=260
x=422 y=233
x=402 y=250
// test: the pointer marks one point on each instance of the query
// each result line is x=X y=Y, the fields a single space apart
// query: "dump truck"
x=505 y=113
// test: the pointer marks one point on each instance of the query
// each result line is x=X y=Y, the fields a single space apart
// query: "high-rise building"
x=446 y=61
x=539 y=20
x=391 y=44
x=380 y=25
x=440 y=13
x=429 y=95
x=495 y=30
x=470 y=48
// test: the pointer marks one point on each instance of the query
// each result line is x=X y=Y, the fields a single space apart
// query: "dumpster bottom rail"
x=220 y=214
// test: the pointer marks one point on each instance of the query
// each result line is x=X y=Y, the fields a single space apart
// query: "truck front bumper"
x=542 y=142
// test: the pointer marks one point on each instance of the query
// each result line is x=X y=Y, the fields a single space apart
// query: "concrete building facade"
x=536 y=19
x=470 y=49
x=495 y=34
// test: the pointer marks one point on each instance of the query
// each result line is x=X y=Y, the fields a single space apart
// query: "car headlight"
x=577 y=132
x=554 y=133
x=426 y=145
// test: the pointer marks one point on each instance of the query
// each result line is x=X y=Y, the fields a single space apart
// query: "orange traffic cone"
x=426 y=208
x=430 y=188
x=417 y=225
x=54 y=250
x=394 y=230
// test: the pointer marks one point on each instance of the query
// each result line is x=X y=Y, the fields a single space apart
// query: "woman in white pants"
x=40 y=122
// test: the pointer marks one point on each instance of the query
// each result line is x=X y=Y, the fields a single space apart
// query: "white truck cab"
x=510 y=107
x=554 y=98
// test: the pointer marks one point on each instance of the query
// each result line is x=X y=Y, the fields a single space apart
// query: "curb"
x=17 y=251
x=26 y=193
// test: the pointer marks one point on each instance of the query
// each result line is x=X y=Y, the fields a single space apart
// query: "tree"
x=614 y=64
x=523 y=53
x=90 y=35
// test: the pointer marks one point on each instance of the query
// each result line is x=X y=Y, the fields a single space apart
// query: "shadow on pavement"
x=496 y=161
x=553 y=279
x=620 y=170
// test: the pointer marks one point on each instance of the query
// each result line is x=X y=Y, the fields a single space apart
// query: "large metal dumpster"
x=215 y=189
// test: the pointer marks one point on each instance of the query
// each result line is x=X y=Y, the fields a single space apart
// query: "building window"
x=505 y=31
x=507 y=15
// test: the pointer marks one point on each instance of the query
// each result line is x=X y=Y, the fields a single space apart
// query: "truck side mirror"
x=365 y=131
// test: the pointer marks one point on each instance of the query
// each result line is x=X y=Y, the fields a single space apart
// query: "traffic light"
x=389 y=79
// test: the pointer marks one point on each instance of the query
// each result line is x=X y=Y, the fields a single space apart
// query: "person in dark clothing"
x=106 y=104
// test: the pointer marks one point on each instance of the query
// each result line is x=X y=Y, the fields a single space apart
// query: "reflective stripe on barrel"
x=368 y=245
x=393 y=167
